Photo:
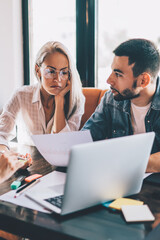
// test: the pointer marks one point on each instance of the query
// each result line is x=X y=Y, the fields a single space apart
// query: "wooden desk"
x=95 y=224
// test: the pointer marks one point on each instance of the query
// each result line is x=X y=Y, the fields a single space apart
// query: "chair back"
x=93 y=97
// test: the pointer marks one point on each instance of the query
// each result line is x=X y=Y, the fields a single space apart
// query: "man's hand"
x=154 y=163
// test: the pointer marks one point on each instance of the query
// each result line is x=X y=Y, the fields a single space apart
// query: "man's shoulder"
x=156 y=97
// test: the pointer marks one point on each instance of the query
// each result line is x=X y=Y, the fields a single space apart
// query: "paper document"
x=55 y=148
x=46 y=181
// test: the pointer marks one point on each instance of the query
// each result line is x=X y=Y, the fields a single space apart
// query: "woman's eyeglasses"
x=49 y=73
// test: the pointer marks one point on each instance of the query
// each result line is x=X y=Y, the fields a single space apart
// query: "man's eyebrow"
x=56 y=68
x=117 y=70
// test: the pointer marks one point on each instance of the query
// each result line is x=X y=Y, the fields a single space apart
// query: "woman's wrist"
x=3 y=148
x=59 y=100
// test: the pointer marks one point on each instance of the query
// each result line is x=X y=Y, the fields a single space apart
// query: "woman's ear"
x=145 y=79
x=38 y=72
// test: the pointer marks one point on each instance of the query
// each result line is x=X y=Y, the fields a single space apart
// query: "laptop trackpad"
x=47 y=192
x=58 y=189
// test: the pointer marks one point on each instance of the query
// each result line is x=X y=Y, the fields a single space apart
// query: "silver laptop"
x=99 y=172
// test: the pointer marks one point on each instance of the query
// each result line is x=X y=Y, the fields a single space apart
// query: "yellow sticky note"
x=124 y=201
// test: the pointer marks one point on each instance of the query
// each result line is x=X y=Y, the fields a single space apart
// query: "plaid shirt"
x=25 y=111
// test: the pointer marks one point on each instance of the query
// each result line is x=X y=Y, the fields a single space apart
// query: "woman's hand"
x=59 y=115
x=64 y=91
x=28 y=161
x=9 y=164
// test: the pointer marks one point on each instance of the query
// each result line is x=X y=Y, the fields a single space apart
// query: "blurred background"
x=90 y=29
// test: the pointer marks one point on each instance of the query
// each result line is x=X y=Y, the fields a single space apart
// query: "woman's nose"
x=57 y=77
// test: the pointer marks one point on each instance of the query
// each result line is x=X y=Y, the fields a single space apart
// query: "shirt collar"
x=125 y=105
x=156 y=98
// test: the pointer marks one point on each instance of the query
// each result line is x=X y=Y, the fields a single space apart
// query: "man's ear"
x=37 y=69
x=145 y=79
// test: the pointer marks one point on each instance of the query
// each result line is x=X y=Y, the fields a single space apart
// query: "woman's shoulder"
x=25 y=93
x=27 y=89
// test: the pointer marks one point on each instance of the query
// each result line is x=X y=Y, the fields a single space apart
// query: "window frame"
x=25 y=30
x=86 y=45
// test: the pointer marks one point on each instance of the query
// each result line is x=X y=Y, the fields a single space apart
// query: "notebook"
x=98 y=172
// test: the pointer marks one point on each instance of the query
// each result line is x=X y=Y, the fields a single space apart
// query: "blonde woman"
x=54 y=104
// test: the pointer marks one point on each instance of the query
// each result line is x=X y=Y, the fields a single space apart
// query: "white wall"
x=11 y=53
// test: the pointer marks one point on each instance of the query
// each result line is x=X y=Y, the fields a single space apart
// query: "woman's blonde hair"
x=75 y=97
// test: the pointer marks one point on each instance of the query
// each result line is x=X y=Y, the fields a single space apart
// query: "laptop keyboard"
x=56 y=201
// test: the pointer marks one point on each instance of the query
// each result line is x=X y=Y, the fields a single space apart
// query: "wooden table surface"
x=95 y=223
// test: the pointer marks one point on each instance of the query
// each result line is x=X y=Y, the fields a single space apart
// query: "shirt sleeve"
x=7 y=119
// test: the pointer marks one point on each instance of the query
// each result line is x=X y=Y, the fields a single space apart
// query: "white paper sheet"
x=55 y=148
x=53 y=178
x=135 y=213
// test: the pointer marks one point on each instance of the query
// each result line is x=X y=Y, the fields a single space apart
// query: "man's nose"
x=110 y=79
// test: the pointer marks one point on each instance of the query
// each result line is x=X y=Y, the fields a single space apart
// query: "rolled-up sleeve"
x=7 y=120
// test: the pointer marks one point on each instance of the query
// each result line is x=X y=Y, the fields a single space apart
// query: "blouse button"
x=148 y=121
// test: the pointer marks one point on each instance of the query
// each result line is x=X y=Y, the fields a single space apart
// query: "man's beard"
x=127 y=94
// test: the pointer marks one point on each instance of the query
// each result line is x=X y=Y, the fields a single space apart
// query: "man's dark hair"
x=143 y=53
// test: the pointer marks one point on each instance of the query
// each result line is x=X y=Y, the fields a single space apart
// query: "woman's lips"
x=56 y=87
